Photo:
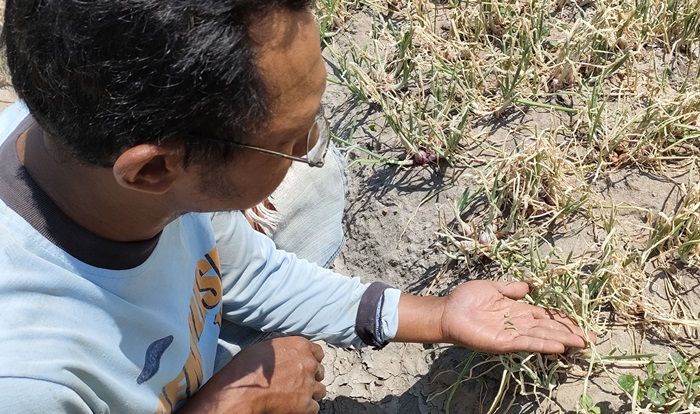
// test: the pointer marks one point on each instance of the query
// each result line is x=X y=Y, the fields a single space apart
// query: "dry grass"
x=618 y=84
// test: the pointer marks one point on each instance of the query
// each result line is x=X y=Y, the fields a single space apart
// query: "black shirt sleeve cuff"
x=368 y=324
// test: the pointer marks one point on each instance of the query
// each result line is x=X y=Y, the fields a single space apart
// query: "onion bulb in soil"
x=424 y=157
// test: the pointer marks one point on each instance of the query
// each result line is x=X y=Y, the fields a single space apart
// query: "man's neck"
x=90 y=195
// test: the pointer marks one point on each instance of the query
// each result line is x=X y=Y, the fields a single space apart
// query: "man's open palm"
x=486 y=316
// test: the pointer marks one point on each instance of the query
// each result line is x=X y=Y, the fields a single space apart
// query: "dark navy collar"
x=23 y=195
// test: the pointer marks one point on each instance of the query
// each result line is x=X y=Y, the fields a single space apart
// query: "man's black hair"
x=105 y=75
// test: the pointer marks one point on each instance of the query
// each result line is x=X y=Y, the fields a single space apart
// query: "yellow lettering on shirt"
x=206 y=295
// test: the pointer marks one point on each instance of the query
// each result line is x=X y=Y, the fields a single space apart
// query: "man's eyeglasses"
x=315 y=154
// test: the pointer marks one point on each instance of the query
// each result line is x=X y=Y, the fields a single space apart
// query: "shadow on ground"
x=445 y=388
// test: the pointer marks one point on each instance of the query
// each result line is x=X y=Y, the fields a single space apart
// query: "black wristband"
x=368 y=324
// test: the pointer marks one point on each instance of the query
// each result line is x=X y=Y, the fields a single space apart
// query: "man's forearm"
x=220 y=394
x=420 y=319
x=273 y=291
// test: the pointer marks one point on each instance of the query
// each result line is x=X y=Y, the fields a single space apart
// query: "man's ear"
x=149 y=168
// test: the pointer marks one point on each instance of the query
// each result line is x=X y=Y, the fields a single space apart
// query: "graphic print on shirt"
x=153 y=354
x=205 y=297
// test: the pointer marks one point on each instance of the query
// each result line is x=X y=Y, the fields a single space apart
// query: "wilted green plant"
x=531 y=187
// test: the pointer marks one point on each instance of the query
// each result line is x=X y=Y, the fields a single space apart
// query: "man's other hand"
x=282 y=375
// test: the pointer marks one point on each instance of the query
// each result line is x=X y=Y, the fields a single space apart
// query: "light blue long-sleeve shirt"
x=90 y=325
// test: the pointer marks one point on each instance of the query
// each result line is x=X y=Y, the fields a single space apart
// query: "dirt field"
x=611 y=241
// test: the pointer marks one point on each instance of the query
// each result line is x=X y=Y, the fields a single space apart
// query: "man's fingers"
x=544 y=313
x=313 y=407
x=555 y=320
x=567 y=339
x=317 y=352
x=513 y=290
x=532 y=344
x=320 y=373
x=561 y=326
x=319 y=392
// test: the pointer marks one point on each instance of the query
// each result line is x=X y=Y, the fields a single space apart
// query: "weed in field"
x=671 y=389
